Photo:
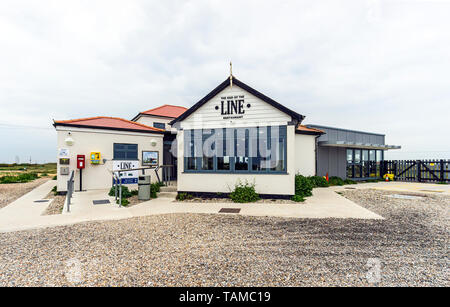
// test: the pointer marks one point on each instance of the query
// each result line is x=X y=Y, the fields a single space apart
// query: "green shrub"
x=134 y=192
x=154 y=188
x=54 y=190
x=125 y=192
x=318 y=181
x=303 y=186
x=349 y=181
x=125 y=202
x=297 y=198
x=44 y=175
x=19 y=178
x=183 y=196
x=334 y=180
x=244 y=193
x=55 y=177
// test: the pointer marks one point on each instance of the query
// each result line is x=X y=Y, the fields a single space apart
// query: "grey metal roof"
x=357 y=145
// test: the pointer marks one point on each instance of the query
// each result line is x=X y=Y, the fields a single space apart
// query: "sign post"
x=127 y=177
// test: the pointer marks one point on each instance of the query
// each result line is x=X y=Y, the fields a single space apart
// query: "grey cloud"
x=380 y=66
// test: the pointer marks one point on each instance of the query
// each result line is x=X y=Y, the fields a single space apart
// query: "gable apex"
x=245 y=87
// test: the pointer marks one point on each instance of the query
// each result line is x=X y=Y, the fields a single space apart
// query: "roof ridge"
x=246 y=88
x=110 y=117
x=139 y=124
x=164 y=105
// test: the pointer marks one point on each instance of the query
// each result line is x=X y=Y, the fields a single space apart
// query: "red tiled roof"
x=166 y=111
x=107 y=122
x=303 y=128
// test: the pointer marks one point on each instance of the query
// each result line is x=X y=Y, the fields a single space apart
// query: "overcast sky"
x=380 y=66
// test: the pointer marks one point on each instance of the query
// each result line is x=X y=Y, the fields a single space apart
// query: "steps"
x=168 y=192
x=171 y=188
x=170 y=195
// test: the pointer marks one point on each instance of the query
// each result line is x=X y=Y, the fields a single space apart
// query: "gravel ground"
x=9 y=192
x=56 y=206
x=410 y=247
x=228 y=200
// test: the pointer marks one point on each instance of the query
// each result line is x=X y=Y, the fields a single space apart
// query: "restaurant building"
x=234 y=134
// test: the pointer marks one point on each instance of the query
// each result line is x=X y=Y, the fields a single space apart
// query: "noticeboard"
x=130 y=177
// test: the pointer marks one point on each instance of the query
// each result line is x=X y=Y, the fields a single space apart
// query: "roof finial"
x=231 y=74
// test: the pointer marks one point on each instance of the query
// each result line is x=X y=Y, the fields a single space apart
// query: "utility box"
x=144 y=187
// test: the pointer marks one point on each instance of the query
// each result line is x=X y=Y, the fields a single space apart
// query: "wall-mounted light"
x=69 y=141
x=153 y=142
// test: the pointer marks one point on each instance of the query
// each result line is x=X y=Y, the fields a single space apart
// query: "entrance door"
x=169 y=159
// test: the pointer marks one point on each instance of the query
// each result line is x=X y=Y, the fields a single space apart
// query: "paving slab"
x=25 y=214
x=401 y=186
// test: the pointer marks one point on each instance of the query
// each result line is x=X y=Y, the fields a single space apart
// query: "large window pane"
x=208 y=149
x=191 y=163
x=241 y=161
x=278 y=162
x=208 y=163
x=357 y=171
x=357 y=156
x=278 y=147
x=223 y=163
x=349 y=155
x=379 y=159
x=236 y=149
x=349 y=171
x=263 y=149
x=365 y=163
x=372 y=163
x=125 y=151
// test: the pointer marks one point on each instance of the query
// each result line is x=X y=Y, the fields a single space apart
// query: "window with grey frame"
x=236 y=150
x=363 y=163
x=159 y=125
x=125 y=151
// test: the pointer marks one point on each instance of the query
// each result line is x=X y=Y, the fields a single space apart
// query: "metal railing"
x=117 y=187
x=166 y=174
x=70 y=184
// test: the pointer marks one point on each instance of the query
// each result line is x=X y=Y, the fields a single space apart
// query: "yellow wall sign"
x=95 y=157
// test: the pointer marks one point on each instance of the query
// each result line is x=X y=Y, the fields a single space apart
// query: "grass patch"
x=26 y=177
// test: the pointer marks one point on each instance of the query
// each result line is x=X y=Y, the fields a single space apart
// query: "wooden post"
x=419 y=174
x=441 y=171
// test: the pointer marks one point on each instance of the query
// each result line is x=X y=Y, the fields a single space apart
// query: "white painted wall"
x=149 y=120
x=305 y=155
x=282 y=184
x=260 y=113
x=90 y=140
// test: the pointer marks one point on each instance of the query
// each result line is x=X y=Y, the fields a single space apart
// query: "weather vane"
x=231 y=74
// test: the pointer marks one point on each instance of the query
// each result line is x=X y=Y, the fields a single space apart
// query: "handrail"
x=70 y=184
x=117 y=181
x=167 y=176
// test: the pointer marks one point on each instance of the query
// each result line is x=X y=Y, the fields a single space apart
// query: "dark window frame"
x=126 y=151
x=161 y=125
x=232 y=170
x=369 y=166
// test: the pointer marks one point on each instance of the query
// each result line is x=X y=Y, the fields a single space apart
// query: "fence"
x=418 y=170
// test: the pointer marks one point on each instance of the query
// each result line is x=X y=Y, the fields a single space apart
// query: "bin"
x=144 y=187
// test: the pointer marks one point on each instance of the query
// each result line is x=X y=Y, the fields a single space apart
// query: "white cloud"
x=380 y=66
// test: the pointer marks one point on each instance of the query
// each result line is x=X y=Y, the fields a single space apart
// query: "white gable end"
x=235 y=107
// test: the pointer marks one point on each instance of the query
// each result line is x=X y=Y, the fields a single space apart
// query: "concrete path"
x=416 y=187
x=325 y=203
x=25 y=214
x=24 y=209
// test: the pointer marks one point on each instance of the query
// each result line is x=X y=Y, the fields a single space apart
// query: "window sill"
x=235 y=173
